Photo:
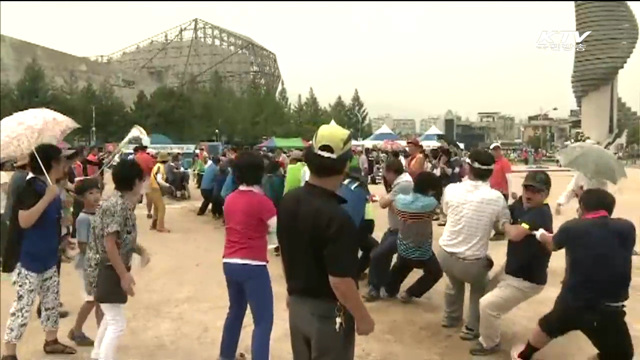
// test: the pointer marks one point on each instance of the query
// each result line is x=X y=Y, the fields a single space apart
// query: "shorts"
x=85 y=295
x=604 y=326
x=146 y=186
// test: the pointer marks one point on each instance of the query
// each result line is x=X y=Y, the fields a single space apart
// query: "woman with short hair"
x=250 y=218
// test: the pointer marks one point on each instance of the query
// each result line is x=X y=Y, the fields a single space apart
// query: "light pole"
x=359 y=124
x=217 y=135
x=92 y=135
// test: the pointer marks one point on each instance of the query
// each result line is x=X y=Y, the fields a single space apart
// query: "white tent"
x=382 y=134
x=333 y=122
x=433 y=130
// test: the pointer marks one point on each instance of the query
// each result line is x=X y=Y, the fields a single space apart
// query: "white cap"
x=494 y=145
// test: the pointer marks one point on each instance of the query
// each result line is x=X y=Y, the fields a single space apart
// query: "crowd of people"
x=314 y=209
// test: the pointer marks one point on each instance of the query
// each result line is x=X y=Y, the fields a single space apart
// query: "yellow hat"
x=332 y=141
x=163 y=156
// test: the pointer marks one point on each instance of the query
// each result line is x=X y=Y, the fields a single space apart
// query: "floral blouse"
x=115 y=215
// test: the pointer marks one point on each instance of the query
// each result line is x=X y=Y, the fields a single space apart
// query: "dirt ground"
x=181 y=300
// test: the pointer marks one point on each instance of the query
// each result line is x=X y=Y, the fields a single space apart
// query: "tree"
x=534 y=141
x=7 y=99
x=283 y=98
x=338 y=111
x=357 y=116
x=32 y=90
x=633 y=133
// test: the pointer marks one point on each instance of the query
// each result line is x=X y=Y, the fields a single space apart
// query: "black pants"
x=381 y=259
x=217 y=202
x=431 y=274
x=207 y=199
x=604 y=326
x=367 y=244
x=199 y=180
x=312 y=329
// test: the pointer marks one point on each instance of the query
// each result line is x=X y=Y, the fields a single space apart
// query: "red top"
x=92 y=169
x=146 y=163
x=246 y=215
x=78 y=169
x=498 y=179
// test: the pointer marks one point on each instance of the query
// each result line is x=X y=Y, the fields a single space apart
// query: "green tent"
x=283 y=143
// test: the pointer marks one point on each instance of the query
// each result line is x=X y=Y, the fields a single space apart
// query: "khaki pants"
x=460 y=272
x=509 y=293
x=155 y=195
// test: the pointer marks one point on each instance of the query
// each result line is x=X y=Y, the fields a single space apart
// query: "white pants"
x=111 y=328
x=509 y=293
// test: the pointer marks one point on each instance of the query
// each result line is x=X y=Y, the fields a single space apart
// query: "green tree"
x=357 y=117
x=633 y=134
x=338 y=112
x=33 y=90
x=534 y=141
x=7 y=99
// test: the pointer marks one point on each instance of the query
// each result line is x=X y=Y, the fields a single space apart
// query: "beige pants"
x=509 y=293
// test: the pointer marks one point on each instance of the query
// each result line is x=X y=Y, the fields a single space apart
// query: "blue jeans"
x=381 y=258
x=248 y=284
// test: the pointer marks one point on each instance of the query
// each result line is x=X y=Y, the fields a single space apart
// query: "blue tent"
x=159 y=139
x=433 y=134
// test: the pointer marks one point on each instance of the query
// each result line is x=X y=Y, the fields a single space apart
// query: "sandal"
x=56 y=347
x=165 y=230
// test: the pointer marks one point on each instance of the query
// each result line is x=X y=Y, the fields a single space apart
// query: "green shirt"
x=368 y=211
x=294 y=176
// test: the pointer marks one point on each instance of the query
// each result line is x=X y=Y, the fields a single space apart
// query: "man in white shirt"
x=472 y=209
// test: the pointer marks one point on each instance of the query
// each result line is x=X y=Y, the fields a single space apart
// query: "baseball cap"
x=495 y=145
x=331 y=141
x=414 y=142
x=538 y=179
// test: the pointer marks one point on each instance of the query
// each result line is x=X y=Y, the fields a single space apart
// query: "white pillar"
x=596 y=111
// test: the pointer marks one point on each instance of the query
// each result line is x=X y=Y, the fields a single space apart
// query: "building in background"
x=404 y=127
x=188 y=53
x=426 y=123
x=377 y=122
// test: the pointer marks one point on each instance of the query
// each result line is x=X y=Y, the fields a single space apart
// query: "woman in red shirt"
x=250 y=218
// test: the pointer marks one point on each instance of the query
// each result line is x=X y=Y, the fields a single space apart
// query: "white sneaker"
x=515 y=351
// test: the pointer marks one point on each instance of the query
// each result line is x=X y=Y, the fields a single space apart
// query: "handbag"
x=108 y=288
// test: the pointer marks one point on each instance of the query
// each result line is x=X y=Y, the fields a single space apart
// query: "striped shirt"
x=472 y=209
x=415 y=231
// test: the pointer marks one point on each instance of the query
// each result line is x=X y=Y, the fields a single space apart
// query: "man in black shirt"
x=319 y=247
x=598 y=252
x=525 y=272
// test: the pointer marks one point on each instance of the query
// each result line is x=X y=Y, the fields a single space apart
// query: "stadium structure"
x=190 y=52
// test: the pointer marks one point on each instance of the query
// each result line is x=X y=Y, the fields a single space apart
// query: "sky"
x=407 y=59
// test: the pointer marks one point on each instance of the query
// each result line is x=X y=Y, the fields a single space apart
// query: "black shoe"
x=479 y=350
x=371 y=296
x=9 y=357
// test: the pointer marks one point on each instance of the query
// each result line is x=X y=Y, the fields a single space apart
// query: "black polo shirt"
x=317 y=239
x=598 y=260
x=528 y=259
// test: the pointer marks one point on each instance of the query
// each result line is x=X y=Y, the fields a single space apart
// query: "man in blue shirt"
x=207 y=185
x=32 y=251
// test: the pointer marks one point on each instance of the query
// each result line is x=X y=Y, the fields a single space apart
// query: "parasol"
x=593 y=161
x=24 y=130
x=390 y=145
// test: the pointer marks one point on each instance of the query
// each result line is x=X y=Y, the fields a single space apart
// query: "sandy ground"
x=181 y=299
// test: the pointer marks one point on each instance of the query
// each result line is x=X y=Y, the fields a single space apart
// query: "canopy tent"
x=333 y=122
x=283 y=143
x=433 y=134
x=382 y=134
x=160 y=139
